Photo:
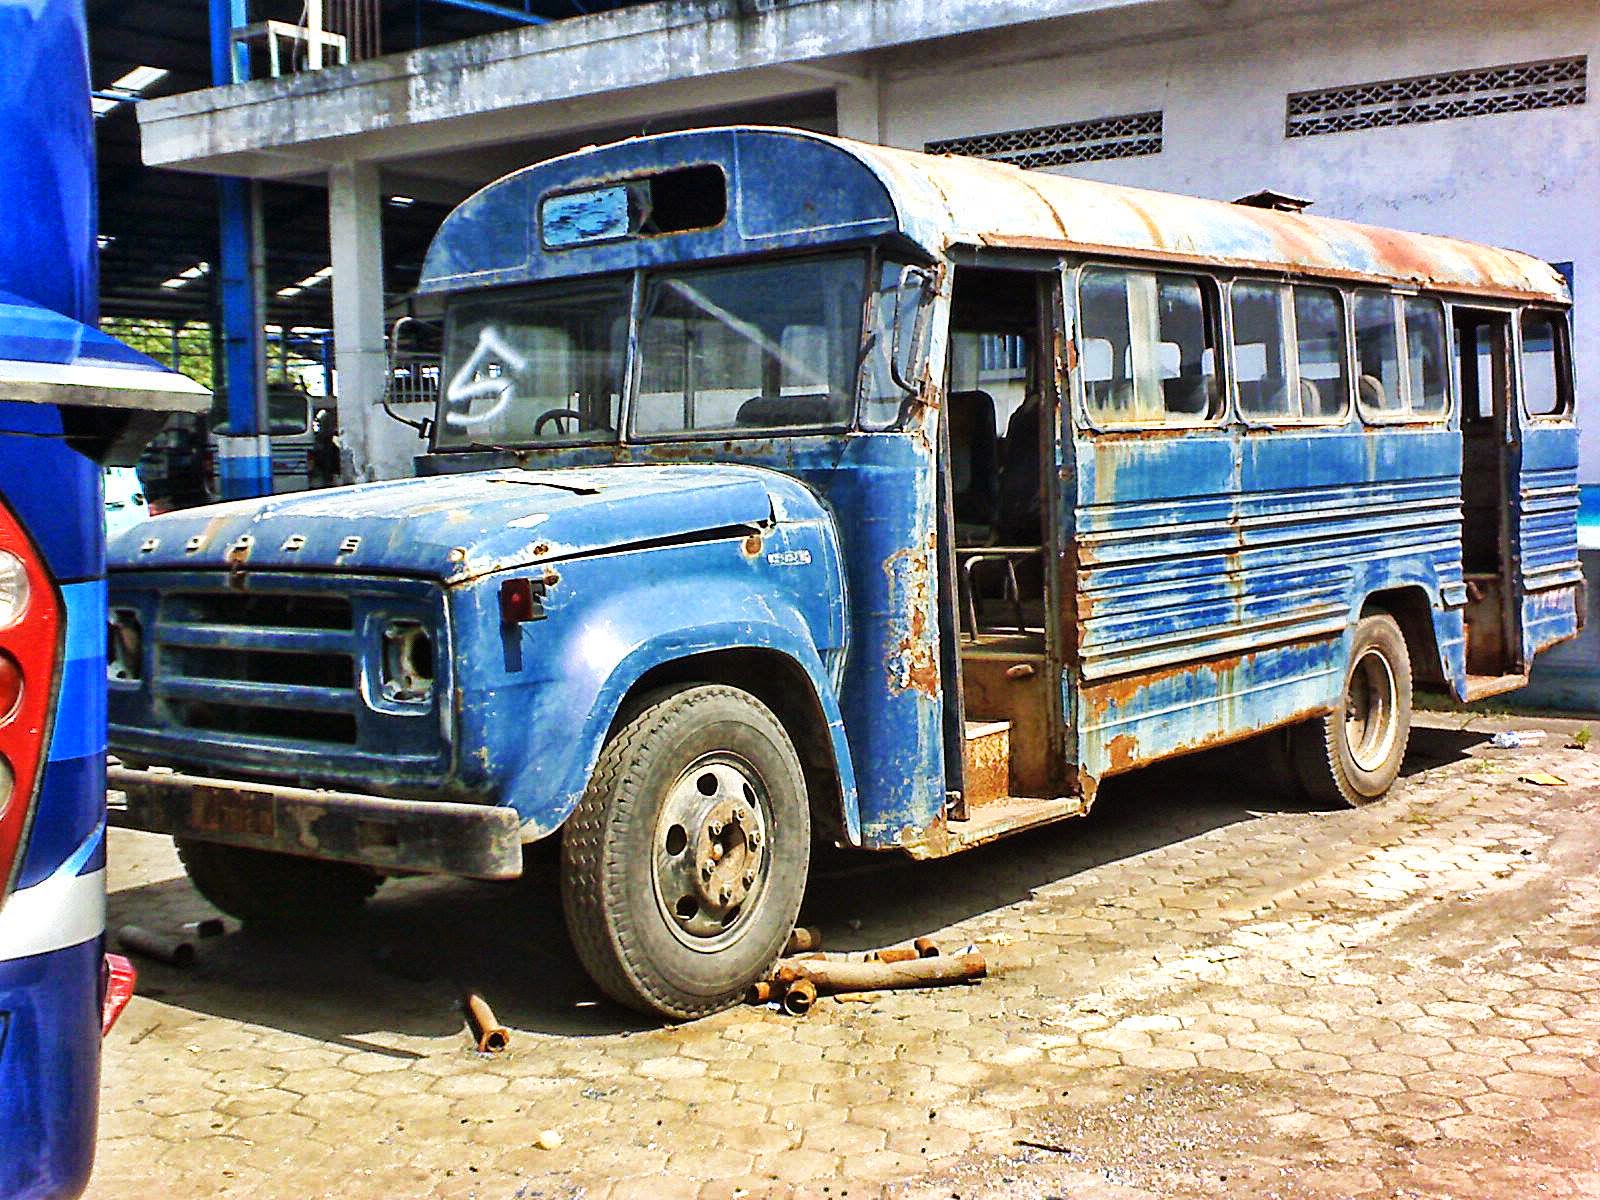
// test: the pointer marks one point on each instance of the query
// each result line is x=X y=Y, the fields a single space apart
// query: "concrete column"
x=375 y=446
x=859 y=107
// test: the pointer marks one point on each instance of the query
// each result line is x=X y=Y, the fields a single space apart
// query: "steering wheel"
x=558 y=414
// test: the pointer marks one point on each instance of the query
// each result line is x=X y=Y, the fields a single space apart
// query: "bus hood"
x=458 y=527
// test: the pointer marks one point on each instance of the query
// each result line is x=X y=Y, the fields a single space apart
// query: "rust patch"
x=913 y=664
x=1118 y=692
x=1123 y=751
x=751 y=546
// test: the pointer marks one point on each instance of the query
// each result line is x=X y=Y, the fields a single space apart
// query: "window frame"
x=1566 y=385
x=1406 y=414
x=1292 y=338
x=1213 y=300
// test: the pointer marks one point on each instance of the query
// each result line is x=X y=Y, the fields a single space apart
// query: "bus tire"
x=266 y=889
x=684 y=864
x=1353 y=755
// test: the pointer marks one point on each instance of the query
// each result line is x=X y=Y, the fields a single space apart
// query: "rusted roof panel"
x=968 y=201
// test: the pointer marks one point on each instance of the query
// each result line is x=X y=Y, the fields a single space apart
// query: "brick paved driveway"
x=1198 y=991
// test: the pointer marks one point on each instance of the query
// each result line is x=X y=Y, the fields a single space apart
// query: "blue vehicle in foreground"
x=71 y=399
x=899 y=509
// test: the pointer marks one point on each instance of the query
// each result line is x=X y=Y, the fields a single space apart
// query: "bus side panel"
x=1547 y=535
x=1204 y=618
x=49 y=1071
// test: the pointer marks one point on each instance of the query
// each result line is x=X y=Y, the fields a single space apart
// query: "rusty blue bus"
x=898 y=510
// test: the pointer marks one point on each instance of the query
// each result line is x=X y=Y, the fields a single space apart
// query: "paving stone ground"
x=1199 y=990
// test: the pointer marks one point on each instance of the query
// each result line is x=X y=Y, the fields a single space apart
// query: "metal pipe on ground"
x=150 y=944
x=895 y=954
x=799 y=997
x=831 y=976
x=804 y=937
x=492 y=1036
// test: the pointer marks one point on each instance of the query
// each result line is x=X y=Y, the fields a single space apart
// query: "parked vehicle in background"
x=72 y=400
x=722 y=545
x=124 y=499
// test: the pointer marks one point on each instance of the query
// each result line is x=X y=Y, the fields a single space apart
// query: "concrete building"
x=1465 y=117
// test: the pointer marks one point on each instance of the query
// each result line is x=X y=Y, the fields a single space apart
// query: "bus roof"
x=789 y=189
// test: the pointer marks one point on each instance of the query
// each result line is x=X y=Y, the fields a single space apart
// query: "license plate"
x=238 y=813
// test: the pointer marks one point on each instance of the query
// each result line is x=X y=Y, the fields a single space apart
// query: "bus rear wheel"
x=684 y=864
x=1353 y=755
x=265 y=889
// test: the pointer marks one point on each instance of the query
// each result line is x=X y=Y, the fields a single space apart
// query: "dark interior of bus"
x=1483 y=355
x=997 y=392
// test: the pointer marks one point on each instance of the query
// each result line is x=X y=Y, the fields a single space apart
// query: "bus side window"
x=1546 y=383
x=1321 y=361
x=1261 y=351
x=1377 y=354
x=1425 y=352
x=1148 y=354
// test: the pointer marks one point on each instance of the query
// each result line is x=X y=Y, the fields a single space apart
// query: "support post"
x=244 y=457
x=375 y=447
x=858 y=107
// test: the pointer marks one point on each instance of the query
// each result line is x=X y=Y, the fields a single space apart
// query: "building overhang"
x=503 y=87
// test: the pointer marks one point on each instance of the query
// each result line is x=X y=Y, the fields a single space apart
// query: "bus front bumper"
x=479 y=841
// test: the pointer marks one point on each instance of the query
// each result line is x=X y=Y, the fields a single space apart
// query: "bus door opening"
x=1000 y=395
x=1483 y=356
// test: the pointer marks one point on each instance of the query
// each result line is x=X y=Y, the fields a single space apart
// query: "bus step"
x=1008 y=815
x=1480 y=687
x=987 y=754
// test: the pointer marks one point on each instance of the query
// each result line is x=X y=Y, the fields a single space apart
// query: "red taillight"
x=30 y=640
x=120 y=978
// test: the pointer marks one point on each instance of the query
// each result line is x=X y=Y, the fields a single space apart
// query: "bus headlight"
x=407 y=661
x=13 y=589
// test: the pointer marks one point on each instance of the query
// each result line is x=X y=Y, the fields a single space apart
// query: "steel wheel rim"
x=1371 y=704
x=711 y=851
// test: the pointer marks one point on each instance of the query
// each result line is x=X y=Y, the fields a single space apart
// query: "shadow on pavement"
x=402 y=967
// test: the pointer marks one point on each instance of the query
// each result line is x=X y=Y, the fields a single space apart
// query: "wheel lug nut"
x=716 y=828
x=726 y=893
x=749 y=878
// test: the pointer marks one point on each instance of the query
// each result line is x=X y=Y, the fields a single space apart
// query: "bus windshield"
x=766 y=345
x=535 y=365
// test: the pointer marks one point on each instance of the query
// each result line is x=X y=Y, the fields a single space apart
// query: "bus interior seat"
x=779 y=412
x=1188 y=394
x=974 y=457
x=1019 y=517
x=1370 y=391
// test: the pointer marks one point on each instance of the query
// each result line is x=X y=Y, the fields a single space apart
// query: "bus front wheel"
x=684 y=864
x=1353 y=755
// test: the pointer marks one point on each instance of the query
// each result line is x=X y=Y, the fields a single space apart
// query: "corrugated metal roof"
x=967 y=201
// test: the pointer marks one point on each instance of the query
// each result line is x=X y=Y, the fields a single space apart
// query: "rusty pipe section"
x=798 y=997
x=492 y=1036
x=172 y=951
x=831 y=975
x=804 y=938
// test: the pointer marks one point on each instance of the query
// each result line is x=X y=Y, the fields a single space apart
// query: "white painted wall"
x=1530 y=181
